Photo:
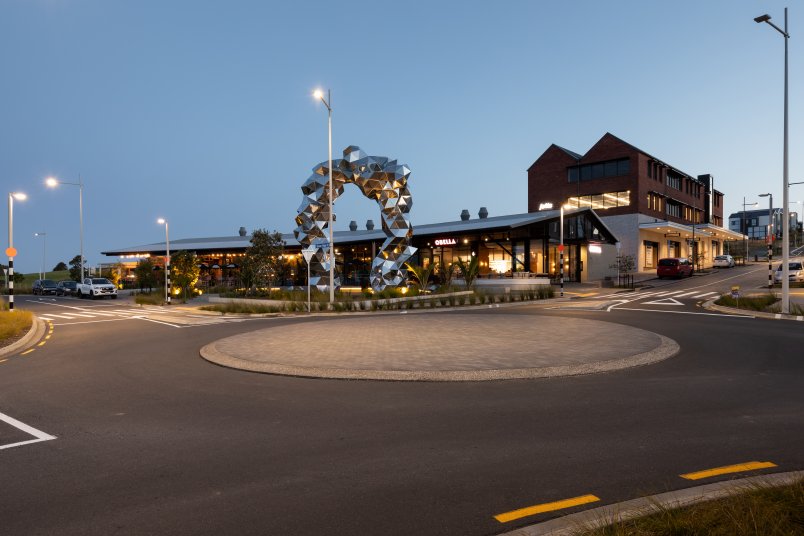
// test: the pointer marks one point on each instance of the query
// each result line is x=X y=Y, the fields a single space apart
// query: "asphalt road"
x=151 y=439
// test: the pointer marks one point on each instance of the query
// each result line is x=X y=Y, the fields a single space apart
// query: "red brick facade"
x=654 y=188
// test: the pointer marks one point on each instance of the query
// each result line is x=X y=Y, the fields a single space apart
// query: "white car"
x=795 y=271
x=97 y=287
x=723 y=261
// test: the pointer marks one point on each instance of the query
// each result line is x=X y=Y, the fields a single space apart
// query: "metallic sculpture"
x=378 y=178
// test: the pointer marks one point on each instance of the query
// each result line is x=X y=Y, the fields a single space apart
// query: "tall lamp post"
x=319 y=94
x=44 y=251
x=53 y=182
x=786 y=230
x=769 y=238
x=11 y=252
x=745 y=228
x=163 y=221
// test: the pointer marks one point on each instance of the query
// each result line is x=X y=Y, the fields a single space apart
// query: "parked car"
x=674 y=267
x=67 y=288
x=723 y=261
x=795 y=271
x=43 y=286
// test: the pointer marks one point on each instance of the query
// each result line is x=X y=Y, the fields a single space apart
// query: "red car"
x=676 y=267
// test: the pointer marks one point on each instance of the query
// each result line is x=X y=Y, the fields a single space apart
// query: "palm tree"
x=469 y=270
x=421 y=274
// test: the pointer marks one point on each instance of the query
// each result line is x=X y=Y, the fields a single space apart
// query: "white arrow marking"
x=665 y=301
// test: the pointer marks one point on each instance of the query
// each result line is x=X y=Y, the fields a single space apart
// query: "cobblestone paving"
x=440 y=342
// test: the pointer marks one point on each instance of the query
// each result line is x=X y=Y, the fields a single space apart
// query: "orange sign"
x=11 y=252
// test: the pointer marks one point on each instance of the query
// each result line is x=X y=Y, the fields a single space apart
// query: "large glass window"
x=599 y=170
x=601 y=201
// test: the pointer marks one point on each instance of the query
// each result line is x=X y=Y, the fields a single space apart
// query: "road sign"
x=735 y=291
x=308 y=254
x=11 y=252
x=561 y=247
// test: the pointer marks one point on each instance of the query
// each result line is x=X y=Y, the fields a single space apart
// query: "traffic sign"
x=11 y=252
x=561 y=247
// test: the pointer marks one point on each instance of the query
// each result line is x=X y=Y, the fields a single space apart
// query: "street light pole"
x=745 y=228
x=11 y=252
x=328 y=103
x=44 y=251
x=786 y=229
x=163 y=221
x=53 y=182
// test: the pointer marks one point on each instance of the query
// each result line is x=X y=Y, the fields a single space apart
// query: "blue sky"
x=201 y=112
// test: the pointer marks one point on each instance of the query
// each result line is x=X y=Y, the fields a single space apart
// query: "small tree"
x=469 y=270
x=264 y=256
x=624 y=265
x=75 y=268
x=446 y=273
x=60 y=267
x=184 y=270
x=421 y=274
x=144 y=274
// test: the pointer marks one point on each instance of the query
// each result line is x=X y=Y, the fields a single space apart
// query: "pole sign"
x=11 y=252
x=735 y=292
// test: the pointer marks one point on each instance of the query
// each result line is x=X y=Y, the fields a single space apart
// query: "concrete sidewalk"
x=440 y=346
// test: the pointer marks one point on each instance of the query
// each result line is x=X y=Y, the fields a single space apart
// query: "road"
x=131 y=432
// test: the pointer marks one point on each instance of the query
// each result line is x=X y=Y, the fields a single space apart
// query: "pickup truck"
x=96 y=287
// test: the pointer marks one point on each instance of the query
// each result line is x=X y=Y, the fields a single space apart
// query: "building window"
x=650 y=169
x=600 y=170
x=601 y=201
x=673 y=209
x=674 y=180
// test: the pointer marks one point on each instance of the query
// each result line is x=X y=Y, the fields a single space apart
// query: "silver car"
x=795 y=271
x=723 y=261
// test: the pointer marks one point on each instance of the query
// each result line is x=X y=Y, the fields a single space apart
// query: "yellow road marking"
x=28 y=351
x=3 y=360
x=41 y=343
x=546 y=507
x=738 y=468
x=47 y=337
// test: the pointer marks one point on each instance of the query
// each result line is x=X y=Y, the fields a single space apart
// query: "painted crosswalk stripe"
x=67 y=317
x=82 y=314
x=669 y=293
x=704 y=295
x=686 y=294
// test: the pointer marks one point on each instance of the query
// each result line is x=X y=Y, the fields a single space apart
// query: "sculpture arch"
x=380 y=179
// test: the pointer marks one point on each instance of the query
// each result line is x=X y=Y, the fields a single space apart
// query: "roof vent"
x=242 y=231
x=465 y=214
x=483 y=213
x=353 y=226
x=370 y=225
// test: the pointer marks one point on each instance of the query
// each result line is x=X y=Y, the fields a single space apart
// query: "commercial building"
x=754 y=223
x=655 y=209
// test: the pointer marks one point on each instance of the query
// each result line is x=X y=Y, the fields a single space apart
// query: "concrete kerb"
x=710 y=305
x=623 y=511
x=35 y=333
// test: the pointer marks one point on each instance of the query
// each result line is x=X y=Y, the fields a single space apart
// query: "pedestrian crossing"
x=695 y=295
x=80 y=314
x=170 y=317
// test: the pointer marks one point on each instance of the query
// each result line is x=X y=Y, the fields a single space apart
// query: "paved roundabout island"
x=441 y=347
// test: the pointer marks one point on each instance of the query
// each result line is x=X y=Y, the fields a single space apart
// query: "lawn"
x=13 y=324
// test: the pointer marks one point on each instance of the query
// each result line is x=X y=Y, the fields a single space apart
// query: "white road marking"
x=683 y=312
x=686 y=294
x=30 y=430
x=704 y=295
x=67 y=317
x=664 y=301
x=119 y=319
x=669 y=293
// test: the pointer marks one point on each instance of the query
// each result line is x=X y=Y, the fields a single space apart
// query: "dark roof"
x=228 y=243
x=573 y=154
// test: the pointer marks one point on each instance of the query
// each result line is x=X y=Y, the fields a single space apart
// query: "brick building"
x=654 y=209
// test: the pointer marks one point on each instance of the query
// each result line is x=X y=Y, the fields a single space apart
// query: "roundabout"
x=441 y=347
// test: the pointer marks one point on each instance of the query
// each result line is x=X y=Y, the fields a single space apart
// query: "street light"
x=44 y=251
x=163 y=221
x=319 y=94
x=796 y=221
x=11 y=252
x=745 y=228
x=52 y=182
x=785 y=179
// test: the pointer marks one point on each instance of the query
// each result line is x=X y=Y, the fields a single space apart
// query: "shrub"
x=14 y=324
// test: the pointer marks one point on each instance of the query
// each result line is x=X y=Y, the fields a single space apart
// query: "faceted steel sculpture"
x=378 y=178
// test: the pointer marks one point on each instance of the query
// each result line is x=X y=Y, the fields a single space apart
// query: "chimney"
x=353 y=226
x=242 y=231
x=465 y=215
x=370 y=225
x=483 y=213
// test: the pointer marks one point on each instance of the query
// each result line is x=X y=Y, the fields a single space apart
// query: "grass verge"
x=752 y=303
x=149 y=299
x=13 y=324
x=756 y=510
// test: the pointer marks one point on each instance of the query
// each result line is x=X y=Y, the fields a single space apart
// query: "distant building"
x=654 y=209
x=754 y=223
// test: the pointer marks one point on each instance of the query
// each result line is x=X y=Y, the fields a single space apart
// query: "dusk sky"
x=201 y=112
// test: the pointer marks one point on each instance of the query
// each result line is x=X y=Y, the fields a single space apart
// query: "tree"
x=114 y=273
x=446 y=273
x=19 y=277
x=60 y=267
x=264 y=256
x=75 y=268
x=469 y=270
x=184 y=270
x=421 y=274
x=144 y=273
